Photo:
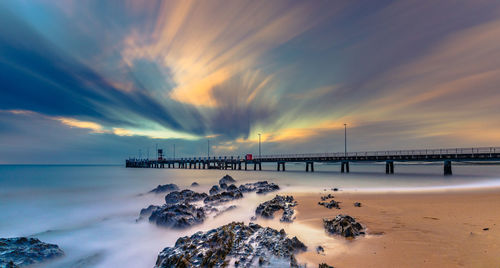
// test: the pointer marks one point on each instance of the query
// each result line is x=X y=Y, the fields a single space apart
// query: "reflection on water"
x=90 y=211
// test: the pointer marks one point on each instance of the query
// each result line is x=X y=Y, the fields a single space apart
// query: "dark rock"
x=325 y=197
x=335 y=189
x=22 y=251
x=234 y=244
x=177 y=216
x=261 y=187
x=223 y=186
x=195 y=184
x=184 y=196
x=164 y=188
x=324 y=265
x=268 y=208
x=269 y=188
x=232 y=188
x=214 y=190
x=146 y=212
x=223 y=197
x=357 y=204
x=226 y=180
x=486 y=229
x=343 y=225
x=330 y=205
x=320 y=250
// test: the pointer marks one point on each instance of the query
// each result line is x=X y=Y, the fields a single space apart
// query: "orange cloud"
x=202 y=50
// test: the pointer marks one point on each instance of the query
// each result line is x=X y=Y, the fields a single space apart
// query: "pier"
x=446 y=156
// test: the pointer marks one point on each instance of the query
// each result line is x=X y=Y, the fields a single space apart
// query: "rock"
x=184 y=196
x=268 y=188
x=320 y=250
x=195 y=184
x=232 y=188
x=223 y=197
x=324 y=265
x=22 y=251
x=335 y=189
x=226 y=180
x=261 y=187
x=268 y=208
x=330 y=205
x=486 y=229
x=214 y=190
x=146 y=212
x=164 y=188
x=234 y=244
x=343 y=225
x=177 y=216
x=223 y=185
x=325 y=197
x=357 y=204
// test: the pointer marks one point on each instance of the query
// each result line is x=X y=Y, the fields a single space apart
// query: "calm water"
x=90 y=211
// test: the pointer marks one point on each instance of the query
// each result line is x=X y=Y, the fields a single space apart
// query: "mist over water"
x=91 y=211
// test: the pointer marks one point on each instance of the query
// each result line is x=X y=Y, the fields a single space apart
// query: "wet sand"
x=437 y=229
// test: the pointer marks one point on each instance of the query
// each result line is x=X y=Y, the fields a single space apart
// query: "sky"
x=96 y=82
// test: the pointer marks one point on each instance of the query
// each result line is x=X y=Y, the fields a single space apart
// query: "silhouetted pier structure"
x=447 y=156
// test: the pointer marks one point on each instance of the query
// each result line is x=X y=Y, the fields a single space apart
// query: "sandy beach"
x=433 y=229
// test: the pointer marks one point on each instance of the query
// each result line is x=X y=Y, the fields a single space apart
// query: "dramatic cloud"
x=402 y=74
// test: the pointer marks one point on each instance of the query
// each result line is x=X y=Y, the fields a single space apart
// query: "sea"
x=91 y=211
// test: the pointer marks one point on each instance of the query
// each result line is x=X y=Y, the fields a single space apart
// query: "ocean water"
x=91 y=211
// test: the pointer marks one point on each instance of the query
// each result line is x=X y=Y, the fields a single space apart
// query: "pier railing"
x=418 y=152
x=430 y=152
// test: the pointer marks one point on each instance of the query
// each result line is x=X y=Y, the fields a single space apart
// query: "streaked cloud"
x=187 y=71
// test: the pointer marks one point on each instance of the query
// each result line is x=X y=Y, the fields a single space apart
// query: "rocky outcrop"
x=146 y=212
x=343 y=225
x=22 y=251
x=234 y=245
x=184 y=196
x=165 y=188
x=195 y=184
x=226 y=180
x=223 y=197
x=330 y=205
x=326 y=197
x=324 y=265
x=286 y=203
x=357 y=204
x=261 y=187
x=232 y=188
x=214 y=190
x=177 y=216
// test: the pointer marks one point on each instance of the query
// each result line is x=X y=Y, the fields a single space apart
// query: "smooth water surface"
x=91 y=211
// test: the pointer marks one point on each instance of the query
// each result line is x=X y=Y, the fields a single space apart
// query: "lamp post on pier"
x=345 y=139
x=259 y=147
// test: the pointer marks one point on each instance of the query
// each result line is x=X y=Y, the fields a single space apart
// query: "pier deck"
x=447 y=156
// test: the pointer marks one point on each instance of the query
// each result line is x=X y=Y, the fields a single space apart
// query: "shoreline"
x=403 y=229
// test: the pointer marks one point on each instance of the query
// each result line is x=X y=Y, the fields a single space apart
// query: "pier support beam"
x=255 y=165
x=309 y=164
x=344 y=167
x=389 y=167
x=246 y=165
x=281 y=165
x=239 y=165
x=447 y=167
